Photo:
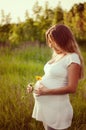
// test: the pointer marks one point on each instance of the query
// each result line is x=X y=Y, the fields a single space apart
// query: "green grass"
x=18 y=67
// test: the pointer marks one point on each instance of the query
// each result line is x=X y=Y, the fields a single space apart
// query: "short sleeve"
x=73 y=58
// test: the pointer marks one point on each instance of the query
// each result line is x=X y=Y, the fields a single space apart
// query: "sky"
x=17 y=8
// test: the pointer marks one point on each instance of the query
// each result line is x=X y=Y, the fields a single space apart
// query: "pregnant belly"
x=53 y=82
x=52 y=99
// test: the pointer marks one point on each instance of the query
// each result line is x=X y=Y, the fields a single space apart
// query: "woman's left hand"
x=42 y=90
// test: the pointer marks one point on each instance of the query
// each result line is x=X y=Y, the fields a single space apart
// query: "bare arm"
x=73 y=78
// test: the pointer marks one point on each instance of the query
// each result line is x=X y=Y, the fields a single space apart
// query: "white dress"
x=55 y=110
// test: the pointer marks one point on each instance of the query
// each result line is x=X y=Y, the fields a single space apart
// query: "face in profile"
x=55 y=47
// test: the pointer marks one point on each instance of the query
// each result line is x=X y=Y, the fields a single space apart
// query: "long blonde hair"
x=61 y=35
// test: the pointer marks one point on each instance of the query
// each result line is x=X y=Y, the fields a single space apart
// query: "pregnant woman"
x=61 y=75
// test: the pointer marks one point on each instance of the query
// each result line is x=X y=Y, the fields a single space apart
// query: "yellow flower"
x=38 y=77
x=33 y=84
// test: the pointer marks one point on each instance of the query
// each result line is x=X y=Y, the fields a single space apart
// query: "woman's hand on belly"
x=41 y=90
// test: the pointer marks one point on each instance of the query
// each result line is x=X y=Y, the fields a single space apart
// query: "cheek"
x=50 y=45
x=58 y=50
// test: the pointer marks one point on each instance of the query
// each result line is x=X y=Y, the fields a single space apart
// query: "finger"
x=30 y=85
x=36 y=91
x=29 y=89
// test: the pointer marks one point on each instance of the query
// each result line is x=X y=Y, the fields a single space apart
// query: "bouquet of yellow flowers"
x=31 y=85
x=37 y=78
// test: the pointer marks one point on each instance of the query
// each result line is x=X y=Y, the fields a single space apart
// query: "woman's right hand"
x=29 y=88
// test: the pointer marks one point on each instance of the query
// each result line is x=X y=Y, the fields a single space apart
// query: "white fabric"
x=55 y=110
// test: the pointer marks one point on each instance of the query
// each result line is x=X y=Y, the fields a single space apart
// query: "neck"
x=59 y=54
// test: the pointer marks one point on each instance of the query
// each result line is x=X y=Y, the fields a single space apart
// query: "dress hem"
x=54 y=127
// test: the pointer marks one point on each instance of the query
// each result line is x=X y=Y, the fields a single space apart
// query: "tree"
x=5 y=18
x=16 y=34
x=37 y=11
x=58 y=17
x=4 y=34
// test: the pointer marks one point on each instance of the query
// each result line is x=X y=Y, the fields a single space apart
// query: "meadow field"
x=18 y=67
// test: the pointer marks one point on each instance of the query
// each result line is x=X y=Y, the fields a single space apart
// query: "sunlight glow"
x=17 y=8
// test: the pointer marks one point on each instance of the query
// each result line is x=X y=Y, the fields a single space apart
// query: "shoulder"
x=72 y=58
x=73 y=55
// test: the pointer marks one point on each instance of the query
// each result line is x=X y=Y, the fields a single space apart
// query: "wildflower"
x=33 y=84
x=38 y=77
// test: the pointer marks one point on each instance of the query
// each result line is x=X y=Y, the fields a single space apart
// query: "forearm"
x=42 y=90
x=60 y=90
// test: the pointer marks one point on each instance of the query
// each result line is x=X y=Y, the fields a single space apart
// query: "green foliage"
x=33 y=28
x=76 y=20
x=4 y=33
x=19 y=67
x=58 y=15
x=16 y=34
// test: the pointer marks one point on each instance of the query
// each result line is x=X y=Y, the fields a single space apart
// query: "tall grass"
x=17 y=68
